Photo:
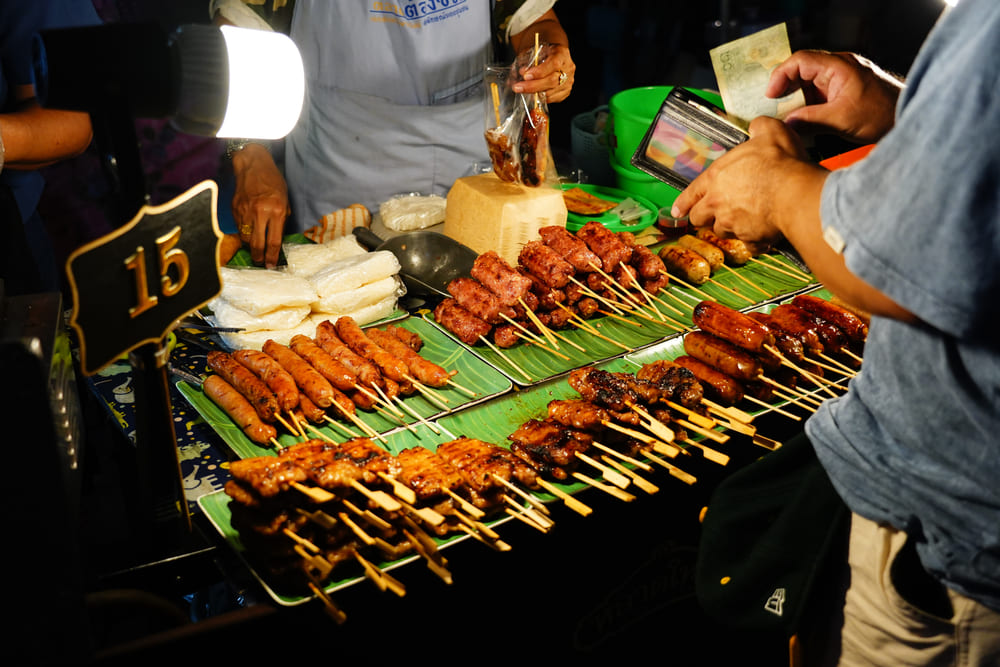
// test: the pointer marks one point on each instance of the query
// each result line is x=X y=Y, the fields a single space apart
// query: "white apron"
x=404 y=113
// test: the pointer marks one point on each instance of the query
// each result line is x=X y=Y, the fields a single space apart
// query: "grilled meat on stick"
x=570 y=248
x=480 y=463
x=549 y=447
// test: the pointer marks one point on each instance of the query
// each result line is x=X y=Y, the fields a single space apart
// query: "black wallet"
x=687 y=134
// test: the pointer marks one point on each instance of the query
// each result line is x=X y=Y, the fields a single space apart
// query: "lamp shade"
x=209 y=81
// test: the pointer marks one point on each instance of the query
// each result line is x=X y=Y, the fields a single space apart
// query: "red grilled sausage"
x=721 y=386
x=732 y=325
x=722 y=356
x=852 y=325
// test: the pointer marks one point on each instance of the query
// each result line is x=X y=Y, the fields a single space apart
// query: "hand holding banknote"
x=845 y=93
x=743 y=69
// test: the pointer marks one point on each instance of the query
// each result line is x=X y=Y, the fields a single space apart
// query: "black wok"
x=428 y=260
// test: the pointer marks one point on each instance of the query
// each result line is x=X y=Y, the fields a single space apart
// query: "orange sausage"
x=308 y=379
x=270 y=371
x=252 y=387
x=234 y=404
x=339 y=375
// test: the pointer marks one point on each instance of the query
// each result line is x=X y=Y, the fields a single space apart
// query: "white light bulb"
x=266 y=84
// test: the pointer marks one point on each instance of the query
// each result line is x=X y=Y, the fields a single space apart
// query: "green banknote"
x=742 y=68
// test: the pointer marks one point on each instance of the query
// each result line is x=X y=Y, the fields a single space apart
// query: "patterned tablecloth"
x=204 y=458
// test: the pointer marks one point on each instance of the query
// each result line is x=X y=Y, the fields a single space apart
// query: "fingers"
x=554 y=76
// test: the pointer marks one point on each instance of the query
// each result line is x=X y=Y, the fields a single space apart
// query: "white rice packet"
x=353 y=272
x=258 y=291
x=341 y=303
x=307 y=259
x=225 y=314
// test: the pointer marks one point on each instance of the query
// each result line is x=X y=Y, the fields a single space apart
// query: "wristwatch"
x=234 y=146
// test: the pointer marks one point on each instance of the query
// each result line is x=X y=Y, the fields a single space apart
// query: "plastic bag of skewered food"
x=517 y=125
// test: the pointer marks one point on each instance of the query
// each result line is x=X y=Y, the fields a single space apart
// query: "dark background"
x=616 y=44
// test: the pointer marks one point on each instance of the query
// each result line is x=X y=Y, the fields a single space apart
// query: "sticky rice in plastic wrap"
x=259 y=291
x=365 y=314
x=341 y=303
x=225 y=314
x=353 y=272
x=254 y=340
x=307 y=259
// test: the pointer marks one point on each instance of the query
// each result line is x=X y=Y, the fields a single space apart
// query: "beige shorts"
x=896 y=614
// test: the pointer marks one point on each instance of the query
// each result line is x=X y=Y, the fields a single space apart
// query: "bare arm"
x=34 y=137
x=765 y=189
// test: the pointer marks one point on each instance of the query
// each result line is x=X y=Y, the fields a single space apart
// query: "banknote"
x=742 y=68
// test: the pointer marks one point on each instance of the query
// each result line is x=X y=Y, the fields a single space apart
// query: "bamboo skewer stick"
x=291 y=429
x=773 y=408
x=435 y=562
x=636 y=478
x=839 y=369
x=535 y=502
x=568 y=341
x=731 y=291
x=694 y=417
x=656 y=426
x=788 y=271
x=706 y=432
x=711 y=454
x=747 y=281
x=333 y=422
x=568 y=500
x=674 y=471
x=608 y=313
x=542 y=346
x=847 y=369
x=464 y=390
x=527 y=514
x=598 y=297
x=415 y=415
x=380 y=498
x=586 y=326
x=400 y=490
x=611 y=476
x=427 y=393
x=538 y=323
x=332 y=610
x=691 y=287
x=314 y=493
x=381 y=579
x=505 y=358
x=659 y=446
x=606 y=488
x=728 y=411
x=624 y=457
x=466 y=506
x=812 y=377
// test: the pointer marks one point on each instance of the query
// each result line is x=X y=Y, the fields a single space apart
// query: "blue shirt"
x=915 y=442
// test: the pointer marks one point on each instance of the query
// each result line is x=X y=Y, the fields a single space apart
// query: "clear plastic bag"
x=517 y=125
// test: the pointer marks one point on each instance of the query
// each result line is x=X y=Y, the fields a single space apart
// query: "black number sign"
x=130 y=286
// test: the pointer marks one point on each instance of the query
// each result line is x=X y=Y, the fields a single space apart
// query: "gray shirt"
x=915 y=442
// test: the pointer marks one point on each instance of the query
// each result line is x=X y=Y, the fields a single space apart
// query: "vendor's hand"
x=554 y=76
x=753 y=190
x=845 y=93
x=260 y=205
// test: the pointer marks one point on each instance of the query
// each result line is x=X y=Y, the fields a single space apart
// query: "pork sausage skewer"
x=244 y=381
